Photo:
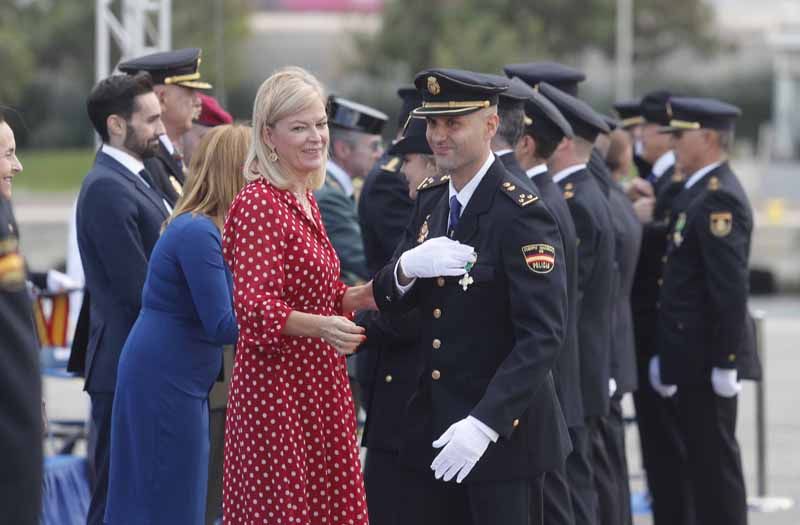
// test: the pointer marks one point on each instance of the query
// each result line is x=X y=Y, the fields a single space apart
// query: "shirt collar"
x=500 y=153
x=566 y=172
x=469 y=188
x=664 y=162
x=702 y=172
x=132 y=164
x=537 y=170
x=167 y=143
x=341 y=177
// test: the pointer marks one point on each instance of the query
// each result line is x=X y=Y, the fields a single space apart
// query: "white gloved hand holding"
x=438 y=257
x=464 y=443
x=58 y=282
x=612 y=387
x=725 y=382
x=655 y=379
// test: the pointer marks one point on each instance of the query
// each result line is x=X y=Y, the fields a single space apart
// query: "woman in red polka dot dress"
x=291 y=455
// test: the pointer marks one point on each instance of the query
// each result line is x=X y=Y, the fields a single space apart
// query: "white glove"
x=612 y=386
x=437 y=257
x=655 y=379
x=58 y=282
x=465 y=443
x=725 y=382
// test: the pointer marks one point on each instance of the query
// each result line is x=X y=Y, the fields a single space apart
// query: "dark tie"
x=455 y=214
x=145 y=175
x=178 y=160
x=652 y=178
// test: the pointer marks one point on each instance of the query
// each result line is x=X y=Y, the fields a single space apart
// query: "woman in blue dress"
x=173 y=355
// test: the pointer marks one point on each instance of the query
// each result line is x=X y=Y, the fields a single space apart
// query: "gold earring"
x=273 y=156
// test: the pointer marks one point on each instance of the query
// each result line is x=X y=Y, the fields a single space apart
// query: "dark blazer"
x=567 y=370
x=597 y=166
x=596 y=276
x=489 y=349
x=340 y=217
x=703 y=319
x=627 y=241
x=384 y=209
x=20 y=385
x=511 y=164
x=167 y=174
x=389 y=364
x=649 y=268
x=118 y=223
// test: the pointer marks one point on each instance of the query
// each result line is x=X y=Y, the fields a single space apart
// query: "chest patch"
x=540 y=258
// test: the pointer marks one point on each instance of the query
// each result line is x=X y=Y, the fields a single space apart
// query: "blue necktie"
x=652 y=178
x=455 y=214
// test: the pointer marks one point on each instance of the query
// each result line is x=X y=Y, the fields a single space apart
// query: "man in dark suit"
x=632 y=121
x=119 y=217
x=176 y=79
x=590 y=213
x=546 y=129
x=486 y=398
x=663 y=451
x=704 y=333
x=20 y=383
x=355 y=146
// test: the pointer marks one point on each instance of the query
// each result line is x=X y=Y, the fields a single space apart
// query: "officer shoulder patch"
x=517 y=194
x=433 y=182
x=569 y=190
x=540 y=258
x=721 y=223
x=391 y=165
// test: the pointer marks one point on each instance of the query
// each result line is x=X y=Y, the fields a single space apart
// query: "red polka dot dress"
x=291 y=455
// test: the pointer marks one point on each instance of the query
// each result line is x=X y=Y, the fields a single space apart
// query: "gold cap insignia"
x=721 y=223
x=540 y=258
x=433 y=86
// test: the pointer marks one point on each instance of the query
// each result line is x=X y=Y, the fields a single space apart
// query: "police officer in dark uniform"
x=590 y=212
x=704 y=334
x=546 y=129
x=486 y=399
x=511 y=110
x=20 y=382
x=663 y=451
x=388 y=364
x=178 y=71
x=631 y=120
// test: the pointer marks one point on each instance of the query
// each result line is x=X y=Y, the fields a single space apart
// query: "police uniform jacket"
x=20 y=385
x=340 y=217
x=567 y=370
x=703 y=319
x=388 y=366
x=489 y=348
x=118 y=222
x=167 y=174
x=627 y=240
x=596 y=277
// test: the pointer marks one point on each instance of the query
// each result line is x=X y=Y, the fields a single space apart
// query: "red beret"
x=212 y=113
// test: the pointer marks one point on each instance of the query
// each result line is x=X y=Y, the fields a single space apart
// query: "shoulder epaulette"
x=517 y=194
x=391 y=165
x=432 y=182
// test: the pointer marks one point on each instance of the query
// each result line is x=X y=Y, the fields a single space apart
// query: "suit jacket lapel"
x=150 y=193
x=170 y=161
x=479 y=203
x=437 y=222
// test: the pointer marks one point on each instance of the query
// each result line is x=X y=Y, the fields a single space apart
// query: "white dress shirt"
x=566 y=172
x=536 y=170
x=702 y=172
x=664 y=162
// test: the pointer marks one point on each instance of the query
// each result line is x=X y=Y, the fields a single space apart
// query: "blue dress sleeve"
x=200 y=257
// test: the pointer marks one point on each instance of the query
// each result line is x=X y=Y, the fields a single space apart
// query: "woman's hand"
x=342 y=334
x=359 y=298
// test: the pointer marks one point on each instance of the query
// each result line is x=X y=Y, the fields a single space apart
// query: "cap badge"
x=433 y=86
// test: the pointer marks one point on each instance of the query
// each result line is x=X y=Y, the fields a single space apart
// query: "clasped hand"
x=437 y=257
x=342 y=334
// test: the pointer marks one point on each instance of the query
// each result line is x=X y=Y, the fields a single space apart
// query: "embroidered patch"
x=540 y=258
x=721 y=223
x=423 y=231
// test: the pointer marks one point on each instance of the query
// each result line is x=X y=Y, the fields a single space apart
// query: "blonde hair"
x=215 y=174
x=286 y=92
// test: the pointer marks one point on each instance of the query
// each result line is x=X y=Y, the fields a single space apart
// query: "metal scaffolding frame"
x=141 y=27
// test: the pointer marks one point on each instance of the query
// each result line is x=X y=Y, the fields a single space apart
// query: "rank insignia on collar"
x=423 y=231
x=721 y=223
x=433 y=86
x=540 y=258
x=713 y=184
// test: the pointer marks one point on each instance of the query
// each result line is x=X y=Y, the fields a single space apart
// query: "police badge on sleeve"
x=540 y=258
